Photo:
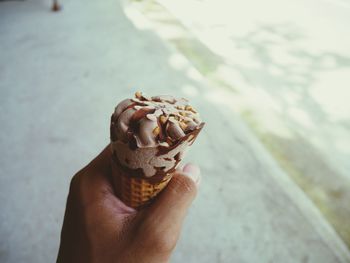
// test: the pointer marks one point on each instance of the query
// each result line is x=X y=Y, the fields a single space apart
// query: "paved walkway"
x=62 y=74
x=284 y=67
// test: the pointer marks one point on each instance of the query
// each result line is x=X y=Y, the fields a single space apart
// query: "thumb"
x=161 y=222
x=170 y=207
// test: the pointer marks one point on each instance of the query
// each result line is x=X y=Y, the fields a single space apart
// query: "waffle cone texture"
x=134 y=191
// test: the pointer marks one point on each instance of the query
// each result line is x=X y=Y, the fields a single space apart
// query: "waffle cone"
x=134 y=191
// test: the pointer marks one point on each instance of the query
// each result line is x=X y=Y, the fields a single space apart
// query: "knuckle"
x=157 y=239
x=165 y=244
x=76 y=182
x=76 y=188
x=183 y=185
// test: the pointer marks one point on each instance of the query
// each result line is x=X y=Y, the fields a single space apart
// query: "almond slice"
x=156 y=131
x=183 y=125
x=190 y=108
x=180 y=107
x=163 y=119
x=138 y=94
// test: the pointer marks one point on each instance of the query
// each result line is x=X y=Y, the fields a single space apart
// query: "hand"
x=98 y=227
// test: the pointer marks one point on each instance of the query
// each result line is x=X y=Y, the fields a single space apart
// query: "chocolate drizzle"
x=164 y=150
x=165 y=120
x=150 y=134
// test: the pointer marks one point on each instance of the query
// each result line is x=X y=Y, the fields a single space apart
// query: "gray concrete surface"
x=284 y=67
x=62 y=74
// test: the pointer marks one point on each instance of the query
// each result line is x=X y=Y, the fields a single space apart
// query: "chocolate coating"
x=149 y=135
x=153 y=121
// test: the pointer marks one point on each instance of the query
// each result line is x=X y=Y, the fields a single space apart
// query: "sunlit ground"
x=284 y=66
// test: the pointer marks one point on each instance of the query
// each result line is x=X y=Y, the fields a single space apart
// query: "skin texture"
x=98 y=227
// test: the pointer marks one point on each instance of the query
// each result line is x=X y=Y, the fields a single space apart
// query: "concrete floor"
x=284 y=73
x=62 y=74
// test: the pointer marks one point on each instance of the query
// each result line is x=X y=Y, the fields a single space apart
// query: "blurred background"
x=270 y=78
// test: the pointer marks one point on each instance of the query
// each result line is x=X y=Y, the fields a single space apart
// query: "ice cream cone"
x=133 y=191
x=149 y=137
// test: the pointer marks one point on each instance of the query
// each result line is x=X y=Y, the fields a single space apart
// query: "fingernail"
x=192 y=171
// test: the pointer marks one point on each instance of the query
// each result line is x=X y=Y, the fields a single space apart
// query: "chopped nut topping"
x=183 y=125
x=180 y=107
x=156 y=130
x=163 y=119
x=138 y=94
x=190 y=108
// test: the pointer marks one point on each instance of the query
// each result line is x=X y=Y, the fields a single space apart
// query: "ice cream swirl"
x=153 y=121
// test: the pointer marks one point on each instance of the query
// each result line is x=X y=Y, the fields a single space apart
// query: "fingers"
x=92 y=185
x=162 y=221
x=93 y=179
x=192 y=171
x=172 y=204
x=180 y=192
x=88 y=186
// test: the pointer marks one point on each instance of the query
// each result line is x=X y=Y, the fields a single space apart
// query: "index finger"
x=93 y=184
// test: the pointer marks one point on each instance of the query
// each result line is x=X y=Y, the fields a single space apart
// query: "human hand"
x=98 y=227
